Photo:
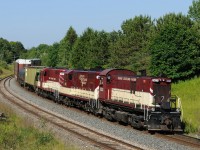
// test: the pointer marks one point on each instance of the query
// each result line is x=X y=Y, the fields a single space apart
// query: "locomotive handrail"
x=179 y=101
x=179 y=104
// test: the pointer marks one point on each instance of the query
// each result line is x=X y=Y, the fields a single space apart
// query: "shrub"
x=3 y=64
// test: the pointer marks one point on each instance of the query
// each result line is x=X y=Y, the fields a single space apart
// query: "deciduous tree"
x=131 y=49
x=175 y=48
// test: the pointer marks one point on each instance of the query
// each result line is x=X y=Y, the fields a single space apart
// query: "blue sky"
x=35 y=22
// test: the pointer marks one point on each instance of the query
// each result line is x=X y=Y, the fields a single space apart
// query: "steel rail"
x=97 y=138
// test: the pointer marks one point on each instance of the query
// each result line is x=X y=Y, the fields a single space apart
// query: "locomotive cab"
x=161 y=90
x=166 y=114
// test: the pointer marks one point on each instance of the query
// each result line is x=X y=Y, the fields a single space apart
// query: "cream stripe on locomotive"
x=142 y=98
x=51 y=85
x=70 y=91
x=78 y=92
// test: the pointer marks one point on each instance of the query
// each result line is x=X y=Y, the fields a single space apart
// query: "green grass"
x=189 y=92
x=6 y=70
x=18 y=134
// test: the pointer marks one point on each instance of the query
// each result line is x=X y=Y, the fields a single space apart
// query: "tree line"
x=169 y=45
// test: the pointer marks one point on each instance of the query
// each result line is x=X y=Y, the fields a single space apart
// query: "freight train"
x=19 y=66
x=117 y=94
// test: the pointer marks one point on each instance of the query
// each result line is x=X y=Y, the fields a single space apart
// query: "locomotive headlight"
x=155 y=80
x=152 y=109
x=169 y=81
x=98 y=77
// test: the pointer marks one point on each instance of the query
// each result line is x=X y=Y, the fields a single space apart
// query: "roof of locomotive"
x=154 y=79
x=106 y=71
x=50 y=68
x=85 y=71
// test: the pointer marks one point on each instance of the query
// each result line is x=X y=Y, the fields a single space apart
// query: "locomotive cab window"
x=65 y=78
x=44 y=73
x=108 y=79
x=133 y=87
x=70 y=76
x=101 y=81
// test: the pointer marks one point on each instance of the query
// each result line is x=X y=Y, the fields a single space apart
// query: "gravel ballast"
x=126 y=133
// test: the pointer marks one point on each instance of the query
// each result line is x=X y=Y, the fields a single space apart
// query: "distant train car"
x=32 y=75
x=19 y=66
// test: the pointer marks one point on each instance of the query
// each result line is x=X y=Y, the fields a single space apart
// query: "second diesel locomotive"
x=116 y=94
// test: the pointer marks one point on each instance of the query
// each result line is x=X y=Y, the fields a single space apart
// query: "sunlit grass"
x=6 y=70
x=189 y=92
x=16 y=133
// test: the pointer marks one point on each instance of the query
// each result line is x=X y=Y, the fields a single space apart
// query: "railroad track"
x=180 y=139
x=185 y=140
x=99 y=139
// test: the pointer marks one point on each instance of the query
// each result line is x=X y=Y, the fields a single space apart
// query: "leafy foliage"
x=10 y=50
x=53 y=55
x=131 y=48
x=90 y=50
x=174 y=48
x=65 y=47
x=168 y=45
x=194 y=10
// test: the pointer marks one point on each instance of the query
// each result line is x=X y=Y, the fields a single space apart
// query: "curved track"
x=96 y=138
x=184 y=140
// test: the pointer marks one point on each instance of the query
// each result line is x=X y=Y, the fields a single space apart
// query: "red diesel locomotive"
x=47 y=83
x=116 y=94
